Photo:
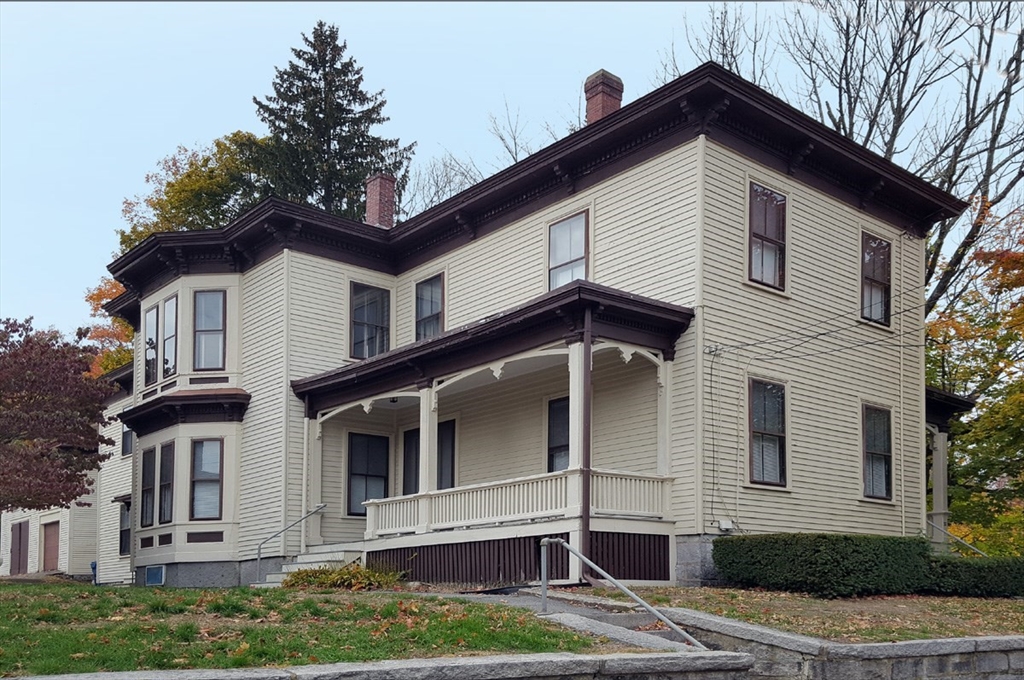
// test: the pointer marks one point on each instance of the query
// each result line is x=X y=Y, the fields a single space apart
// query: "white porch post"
x=578 y=492
x=940 y=488
x=428 y=456
x=577 y=388
x=664 y=416
x=316 y=496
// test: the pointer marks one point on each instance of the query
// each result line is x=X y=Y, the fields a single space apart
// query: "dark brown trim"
x=865 y=236
x=148 y=379
x=352 y=318
x=941 y=406
x=223 y=329
x=552 y=317
x=166 y=451
x=165 y=539
x=152 y=393
x=588 y=400
x=889 y=481
x=209 y=380
x=415 y=312
x=204 y=537
x=783 y=466
x=163 y=341
x=192 y=481
x=708 y=100
x=122 y=376
x=123 y=498
x=146 y=542
x=168 y=386
x=148 y=485
x=764 y=238
x=586 y=244
x=222 y=405
x=636 y=557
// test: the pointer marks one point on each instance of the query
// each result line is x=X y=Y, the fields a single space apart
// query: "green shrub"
x=352 y=576
x=826 y=565
x=977 y=577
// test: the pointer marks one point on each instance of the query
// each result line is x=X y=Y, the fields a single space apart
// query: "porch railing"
x=544 y=496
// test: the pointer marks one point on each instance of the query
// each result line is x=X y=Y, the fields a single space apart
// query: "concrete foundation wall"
x=694 y=566
x=212 y=574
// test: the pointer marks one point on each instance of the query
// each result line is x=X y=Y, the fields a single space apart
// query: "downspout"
x=588 y=399
x=903 y=461
x=305 y=470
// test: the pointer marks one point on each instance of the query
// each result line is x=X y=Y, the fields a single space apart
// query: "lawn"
x=867 y=619
x=72 y=628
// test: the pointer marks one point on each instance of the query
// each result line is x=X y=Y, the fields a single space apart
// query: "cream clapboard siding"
x=79 y=533
x=36 y=520
x=625 y=414
x=115 y=479
x=261 y=463
x=824 y=392
x=642 y=240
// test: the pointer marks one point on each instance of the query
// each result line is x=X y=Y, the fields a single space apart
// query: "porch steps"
x=334 y=556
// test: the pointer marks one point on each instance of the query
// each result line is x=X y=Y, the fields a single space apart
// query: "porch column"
x=664 y=416
x=428 y=456
x=581 y=396
x=940 y=489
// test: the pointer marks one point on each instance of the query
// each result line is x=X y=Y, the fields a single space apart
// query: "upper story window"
x=767 y=237
x=371 y=318
x=127 y=440
x=205 y=494
x=161 y=351
x=876 y=279
x=429 y=307
x=209 y=320
x=567 y=251
x=877 y=453
x=558 y=434
x=767 y=433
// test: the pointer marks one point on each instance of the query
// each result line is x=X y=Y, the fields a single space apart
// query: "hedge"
x=843 y=565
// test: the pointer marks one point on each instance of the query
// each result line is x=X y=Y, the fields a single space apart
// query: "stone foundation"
x=694 y=566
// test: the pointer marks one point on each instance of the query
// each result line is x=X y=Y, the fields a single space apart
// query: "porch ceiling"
x=554 y=316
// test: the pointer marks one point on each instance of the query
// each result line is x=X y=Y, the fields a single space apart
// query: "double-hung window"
x=876 y=279
x=877 y=453
x=127 y=440
x=152 y=350
x=367 y=470
x=161 y=350
x=209 y=320
x=205 y=492
x=166 y=482
x=767 y=237
x=429 y=307
x=767 y=433
x=371 y=319
x=148 y=484
x=124 y=537
x=445 y=458
x=567 y=251
x=558 y=434
x=170 y=343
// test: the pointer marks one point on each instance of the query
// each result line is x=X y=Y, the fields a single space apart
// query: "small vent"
x=155 y=575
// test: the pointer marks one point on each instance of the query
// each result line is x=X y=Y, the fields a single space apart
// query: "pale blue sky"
x=92 y=95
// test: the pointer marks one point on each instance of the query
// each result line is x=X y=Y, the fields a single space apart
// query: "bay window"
x=205 y=492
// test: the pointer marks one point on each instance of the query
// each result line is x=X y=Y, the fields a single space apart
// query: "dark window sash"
x=766 y=398
x=146 y=506
x=166 y=483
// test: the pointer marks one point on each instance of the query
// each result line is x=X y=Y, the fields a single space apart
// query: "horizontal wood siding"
x=637 y=557
x=261 y=462
x=115 y=480
x=497 y=562
x=625 y=414
x=825 y=391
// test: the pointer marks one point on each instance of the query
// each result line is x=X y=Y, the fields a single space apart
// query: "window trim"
x=173 y=336
x=223 y=329
x=440 y=314
x=127 y=435
x=124 y=541
x=166 y=450
x=889 y=482
x=150 y=488
x=147 y=379
x=388 y=476
x=352 y=318
x=586 y=246
x=751 y=236
x=865 y=235
x=783 y=437
x=192 y=480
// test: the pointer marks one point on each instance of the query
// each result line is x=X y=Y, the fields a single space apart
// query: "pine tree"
x=320 y=119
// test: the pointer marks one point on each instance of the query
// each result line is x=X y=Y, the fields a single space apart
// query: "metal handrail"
x=545 y=542
x=259 y=548
x=957 y=538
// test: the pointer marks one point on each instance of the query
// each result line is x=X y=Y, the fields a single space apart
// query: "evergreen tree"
x=320 y=119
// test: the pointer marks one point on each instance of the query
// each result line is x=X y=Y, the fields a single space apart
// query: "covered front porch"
x=547 y=420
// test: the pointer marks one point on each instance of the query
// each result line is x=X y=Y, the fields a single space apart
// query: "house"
x=699 y=314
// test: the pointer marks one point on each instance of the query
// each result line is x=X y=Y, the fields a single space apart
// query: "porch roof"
x=556 y=315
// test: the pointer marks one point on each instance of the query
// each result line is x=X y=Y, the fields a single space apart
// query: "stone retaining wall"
x=797 y=657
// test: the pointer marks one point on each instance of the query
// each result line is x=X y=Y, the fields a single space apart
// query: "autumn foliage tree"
x=49 y=409
x=111 y=336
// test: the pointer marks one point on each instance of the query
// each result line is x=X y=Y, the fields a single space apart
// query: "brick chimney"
x=604 y=95
x=380 y=201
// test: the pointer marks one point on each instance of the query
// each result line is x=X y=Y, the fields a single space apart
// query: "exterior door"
x=51 y=546
x=19 y=548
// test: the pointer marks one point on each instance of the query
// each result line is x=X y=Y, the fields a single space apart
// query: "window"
x=371 y=316
x=429 y=306
x=875 y=279
x=209 y=322
x=124 y=539
x=767 y=237
x=367 y=470
x=767 y=433
x=166 y=482
x=148 y=482
x=151 y=362
x=170 y=336
x=877 y=453
x=558 y=434
x=445 y=458
x=567 y=251
x=205 y=494
x=127 y=440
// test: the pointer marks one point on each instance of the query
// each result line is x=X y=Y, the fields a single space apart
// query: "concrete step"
x=333 y=547
x=343 y=556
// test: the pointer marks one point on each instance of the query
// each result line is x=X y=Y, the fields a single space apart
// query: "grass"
x=868 y=619
x=71 y=628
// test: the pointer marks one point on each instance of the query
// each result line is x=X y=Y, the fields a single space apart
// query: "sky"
x=92 y=95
